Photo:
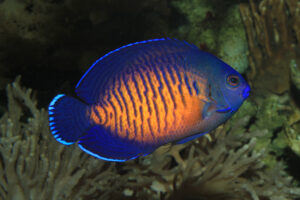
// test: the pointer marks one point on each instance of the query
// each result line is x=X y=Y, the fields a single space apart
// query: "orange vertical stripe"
x=147 y=118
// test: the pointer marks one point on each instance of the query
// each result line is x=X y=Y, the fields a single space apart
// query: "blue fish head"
x=226 y=87
x=230 y=88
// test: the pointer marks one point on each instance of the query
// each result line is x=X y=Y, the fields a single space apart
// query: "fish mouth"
x=246 y=92
x=224 y=110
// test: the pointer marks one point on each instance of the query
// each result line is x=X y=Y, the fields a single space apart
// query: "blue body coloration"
x=129 y=97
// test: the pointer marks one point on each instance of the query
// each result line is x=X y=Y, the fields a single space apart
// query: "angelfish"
x=144 y=95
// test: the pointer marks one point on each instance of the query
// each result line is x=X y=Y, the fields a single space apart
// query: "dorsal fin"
x=96 y=78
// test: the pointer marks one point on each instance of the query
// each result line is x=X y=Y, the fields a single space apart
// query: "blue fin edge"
x=104 y=158
x=118 y=49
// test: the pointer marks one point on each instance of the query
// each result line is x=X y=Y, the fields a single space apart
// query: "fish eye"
x=233 y=80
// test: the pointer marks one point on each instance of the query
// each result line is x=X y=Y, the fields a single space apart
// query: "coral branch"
x=273 y=31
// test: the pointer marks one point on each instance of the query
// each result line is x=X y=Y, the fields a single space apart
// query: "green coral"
x=272 y=115
x=295 y=72
x=269 y=112
x=195 y=30
x=269 y=115
x=233 y=45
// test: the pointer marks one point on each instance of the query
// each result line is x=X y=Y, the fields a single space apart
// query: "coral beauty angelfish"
x=144 y=95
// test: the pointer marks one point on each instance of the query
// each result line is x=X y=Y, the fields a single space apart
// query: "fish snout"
x=246 y=92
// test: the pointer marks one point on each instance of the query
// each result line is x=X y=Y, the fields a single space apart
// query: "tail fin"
x=67 y=119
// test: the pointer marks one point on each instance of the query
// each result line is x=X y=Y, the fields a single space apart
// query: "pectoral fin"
x=208 y=109
x=211 y=108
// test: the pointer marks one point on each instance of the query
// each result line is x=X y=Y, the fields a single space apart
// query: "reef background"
x=51 y=43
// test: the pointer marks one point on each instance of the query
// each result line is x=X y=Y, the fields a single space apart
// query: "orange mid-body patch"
x=152 y=105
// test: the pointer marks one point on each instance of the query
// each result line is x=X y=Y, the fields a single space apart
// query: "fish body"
x=146 y=94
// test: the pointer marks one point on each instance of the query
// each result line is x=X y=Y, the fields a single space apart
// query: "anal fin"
x=101 y=143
